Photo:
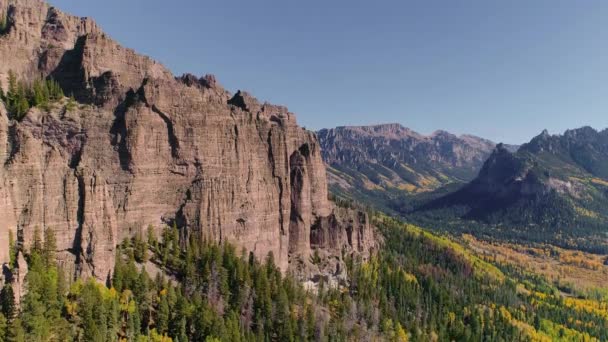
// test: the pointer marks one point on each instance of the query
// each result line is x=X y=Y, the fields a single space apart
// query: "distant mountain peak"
x=386 y=160
x=387 y=130
x=555 y=182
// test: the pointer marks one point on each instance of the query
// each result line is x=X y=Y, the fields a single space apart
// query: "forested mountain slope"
x=420 y=287
x=554 y=188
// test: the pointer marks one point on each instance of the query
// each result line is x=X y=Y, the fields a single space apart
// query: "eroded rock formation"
x=146 y=148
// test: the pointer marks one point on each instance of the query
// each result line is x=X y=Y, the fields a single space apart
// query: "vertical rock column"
x=5 y=202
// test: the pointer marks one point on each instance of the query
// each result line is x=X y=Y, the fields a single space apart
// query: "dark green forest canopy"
x=22 y=96
x=419 y=287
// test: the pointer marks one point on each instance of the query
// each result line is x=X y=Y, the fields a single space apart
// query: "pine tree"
x=151 y=237
x=117 y=277
x=3 y=327
x=162 y=315
x=175 y=242
x=15 y=332
x=7 y=301
x=37 y=242
x=12 y=82
x=537 y=322
x=140 y=248
x=12 y=249
x=50 y=248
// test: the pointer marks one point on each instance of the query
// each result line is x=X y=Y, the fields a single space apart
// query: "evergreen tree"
x=3 y=327
x=50 y=248
x=7 y=301
x=151 y=237
x=15 y=331
x=175 y=242
x=162 y=317
x=140 y=248
x=12 y=250
x=21 y=96
x=36 y=242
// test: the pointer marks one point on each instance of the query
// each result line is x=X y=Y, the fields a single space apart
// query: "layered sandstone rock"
x=145 y=148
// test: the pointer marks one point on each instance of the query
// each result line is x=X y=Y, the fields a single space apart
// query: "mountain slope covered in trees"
x=554 y=188
x=420 y=287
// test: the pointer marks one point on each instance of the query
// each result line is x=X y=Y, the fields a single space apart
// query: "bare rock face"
x=145 y=148
x=18 y=279
x=392 y=157
x=344 y=232
x=386 y=166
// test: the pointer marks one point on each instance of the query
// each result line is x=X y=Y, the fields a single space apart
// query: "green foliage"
x=12 y=249
x=15 y=332
x=22 y=96
x=7 y=302
x=553 y=189
x=72 y=104
x=3 y=327
x=140 y=248
x=315 y=259
x=419 y=287
x=49 y=248
x=434 y=284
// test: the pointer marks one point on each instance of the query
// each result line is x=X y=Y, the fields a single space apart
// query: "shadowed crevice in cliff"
x=181 y=219
x=171 y=137
x=305 y=151
x=77 y=242
x=279 y=181
x=73 y=79
x=76 y=158
x=13 y=144
x=236 y=141
x=10 y=20
x=296 y=176
x=70 y=74
x=118 y=131
x=297 y=171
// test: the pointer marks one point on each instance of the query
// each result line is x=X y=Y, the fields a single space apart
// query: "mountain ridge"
x=141 y=148
x=385 y=163
x=556 y=183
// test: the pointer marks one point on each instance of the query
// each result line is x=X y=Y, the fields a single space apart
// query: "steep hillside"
x=137 y=148
x=420 y=287
x=553 y=188
x=382 y=164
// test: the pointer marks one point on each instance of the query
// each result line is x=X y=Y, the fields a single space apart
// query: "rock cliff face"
x=146 y=148
x=393 y=156
x=387 y=165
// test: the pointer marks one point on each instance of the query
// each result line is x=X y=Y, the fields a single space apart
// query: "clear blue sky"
x=503 y=70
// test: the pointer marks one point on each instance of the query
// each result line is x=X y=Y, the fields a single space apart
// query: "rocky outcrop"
x=145 y=148
x=393 y=157
x=344 y=232
x=389 y=166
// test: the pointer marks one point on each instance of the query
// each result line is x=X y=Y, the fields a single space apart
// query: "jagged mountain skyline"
x=363 y=65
